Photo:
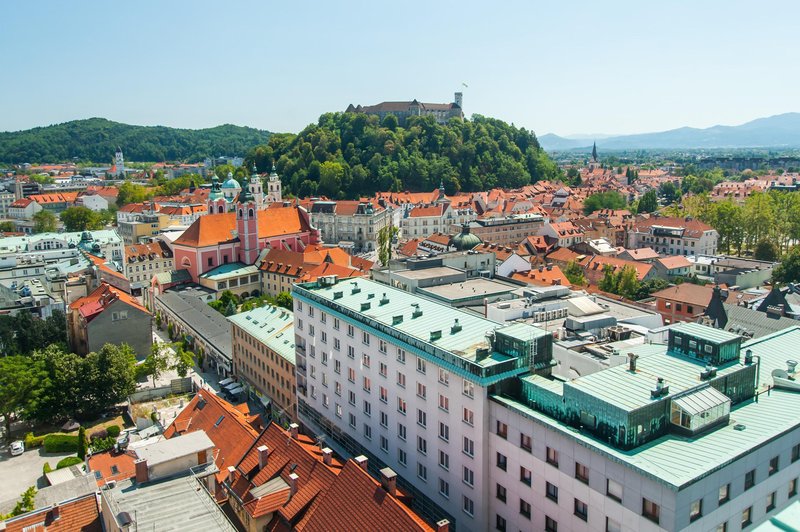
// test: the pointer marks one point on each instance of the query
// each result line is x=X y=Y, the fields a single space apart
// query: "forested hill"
x=96 y=139
x=346 y=155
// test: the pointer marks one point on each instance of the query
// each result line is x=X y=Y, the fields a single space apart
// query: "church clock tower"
x=247 y=226
x=256 y=189
x=274 y=187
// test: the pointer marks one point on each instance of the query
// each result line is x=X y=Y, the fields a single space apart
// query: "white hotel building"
x=465 y=411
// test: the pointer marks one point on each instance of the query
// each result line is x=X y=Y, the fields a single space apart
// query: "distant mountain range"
x=779 y=131
x=96 y=139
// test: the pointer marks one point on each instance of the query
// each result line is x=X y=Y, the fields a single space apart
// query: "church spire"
x=594 y=152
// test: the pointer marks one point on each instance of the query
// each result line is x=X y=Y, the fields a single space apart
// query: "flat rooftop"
x=427 y=273
x=466 y=290
x=230 y=270
x=168 y=450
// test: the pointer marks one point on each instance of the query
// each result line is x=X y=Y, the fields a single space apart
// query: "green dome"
x=464 y=241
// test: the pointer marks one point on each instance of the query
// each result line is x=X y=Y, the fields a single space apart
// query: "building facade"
x=358 y=222
x=673 y=236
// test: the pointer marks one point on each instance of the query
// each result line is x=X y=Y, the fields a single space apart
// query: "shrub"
x=99 y=434
x=46 y=468
x=113 y=431
x=82 y=446
x=68 y=461
x=60 y=443
x=154 y=417
x=102 y=444
x=32 y=441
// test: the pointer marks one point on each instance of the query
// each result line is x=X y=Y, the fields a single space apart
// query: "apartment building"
x=673 y=236
x=405 y=381
x=264 y=359
x=358 y=222
x=143 y=261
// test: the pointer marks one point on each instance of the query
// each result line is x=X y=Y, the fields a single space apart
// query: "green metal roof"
x=676 y=460
x=522 y=331
x=227 y=271
x=629 y=391
x=710 y=334
x=773 y=351
x=272 y=326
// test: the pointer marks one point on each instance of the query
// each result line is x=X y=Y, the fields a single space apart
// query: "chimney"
x=748 y=357
x=293 y=484
x=293 y=430
x=55 y=512
x=443 y=526
x=327 y=456
x=632 y=362
x=389 y=480
x=263 y=452
x=231 y=473
x=362 y=461
x=791 y=366
x=142 y=473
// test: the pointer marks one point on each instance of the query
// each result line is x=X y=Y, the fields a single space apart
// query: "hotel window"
x=351 y=374
x=384 y=444
x=338 y=388
x=401 y=456
x=469 y=447
x=796 y=453
x=367 y=431
x=696 y=510
x=444 y=376
x=749 y=479
x=324 y=337
x=525 y=442
x=469 y=416
x=724 y=494
x=582 y=472
x=401 y=380
x=353 y=420
x=422 y=445
x=351 y=351
x=771 y=501
x=351 y=397
x=422 y=390
x=614 y=490
x=365 y=338
x=747 y=517
x=444 y=432
x=550 y=524
x=311 y=330
x=524 y=509
x=367 y=385
x=382 y=346
x=469 y=506
x=323 y=317
x=444 y=460
x=581 y=509
x=525 y=476
x=502 y=430
x=612 y=526
x=350 y=331
x=469 y=388
x=422 y=418
x=324 y=358
x=336 y=323
x=337 y=366
x=401 y=356
x=793 y=487
x=444 y=403
x=384 y=394
x=310 y=312
x=722 y=527
x=500 y=493
x=365 y=360
x=551 y=491
x=773 y=465
x=444 y=488
x=401 y=405
x=651 y=510
x=401 y=431
x=384 y=420
x=383 y=369
x=337 y=345
x=368 y=408
x=469 y=476
x=552 y=457
x=420 y=365
x=502 y=461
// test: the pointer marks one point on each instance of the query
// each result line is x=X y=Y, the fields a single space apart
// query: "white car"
x=17 y=448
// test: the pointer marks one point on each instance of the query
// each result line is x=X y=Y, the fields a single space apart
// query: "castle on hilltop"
x=442 y=112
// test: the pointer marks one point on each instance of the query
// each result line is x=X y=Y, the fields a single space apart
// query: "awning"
x=226 y=381
x=697 y=402
x=231 y=385
x=235 y=390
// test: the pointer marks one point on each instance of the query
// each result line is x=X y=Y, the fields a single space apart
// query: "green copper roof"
x=716 y=336
x=272 y=326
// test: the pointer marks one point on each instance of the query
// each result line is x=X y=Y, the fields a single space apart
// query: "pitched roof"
x=543 y=276
x=688 y=293
x=21 y=203
x=694 y=228
x=674 y=262
x=599 y=262
x=432 y=210
x=642 y=253
x=212 y=229
x=113 y=466
x=231 y=430
x=326 y=268
x=103 y=296
x=563 y=255
x=356 y=501
x=156 y=249
x=81 y=514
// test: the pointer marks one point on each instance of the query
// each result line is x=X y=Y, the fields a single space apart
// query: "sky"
x=561 y=67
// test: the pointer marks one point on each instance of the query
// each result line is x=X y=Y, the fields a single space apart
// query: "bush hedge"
x=31 y=441
x=113 y=431
x=99 y=445
x=60 y=443
x=46 y=468
x=68 y=461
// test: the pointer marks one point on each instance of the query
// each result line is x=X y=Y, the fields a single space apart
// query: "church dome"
x=231 y=183
x=464 y=241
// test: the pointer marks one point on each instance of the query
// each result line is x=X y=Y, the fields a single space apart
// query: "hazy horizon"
x=618 y=68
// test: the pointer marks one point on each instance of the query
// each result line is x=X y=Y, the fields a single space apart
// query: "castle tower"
x=256 y=189
x=273 y=187
x=247 y=226
x=119 y=162
x=459 y=99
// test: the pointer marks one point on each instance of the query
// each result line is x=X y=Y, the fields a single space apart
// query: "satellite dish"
x=779 y=374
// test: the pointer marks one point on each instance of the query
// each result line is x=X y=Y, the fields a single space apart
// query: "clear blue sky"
x=563 y=67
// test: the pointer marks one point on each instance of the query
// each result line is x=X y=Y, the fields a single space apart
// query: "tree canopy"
x=603 y=200
x=44 y=222
x=347 y=155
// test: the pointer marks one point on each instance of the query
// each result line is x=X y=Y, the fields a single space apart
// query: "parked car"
x=17 y=448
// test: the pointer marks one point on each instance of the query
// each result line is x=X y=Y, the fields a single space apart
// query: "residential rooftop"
x=272 y=326
x=168 y=450
x=230 y=270
x=468 y=290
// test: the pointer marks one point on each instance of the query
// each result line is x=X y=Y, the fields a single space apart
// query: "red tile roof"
x=211 y=229
x=597 y=263
x=104 y=462
x=96 y=302
x=543 y=276
x=21 y=203
x=326 y=268
x=564 y=255
x=77 y=515
x=694 y=228
x=674 y=262
x=232 y=436
x=356 y=501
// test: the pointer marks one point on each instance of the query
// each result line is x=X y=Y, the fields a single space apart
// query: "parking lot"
x=23 y=471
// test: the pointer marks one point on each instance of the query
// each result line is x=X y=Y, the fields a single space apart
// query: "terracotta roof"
x=438 y=238
x=284 y=262
x=356 y=501
x=326 y=268
x=58 y=197
x=211 y=229
x=597 y=263
x=500 y=251
x=21 y=203
x=642 y=253
x=673 y=262
x=157 y=249
x=93 y=304
x=688 y=293
x=694 y=228
x=563 y=255
x=566 y=229
x=409 y=249
x=100 y=263
x=231 y=430
x=420 y=212
x=77 y=515
x=543 y=276
x=113 y=466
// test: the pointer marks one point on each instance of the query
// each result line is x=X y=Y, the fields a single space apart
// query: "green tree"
x=788 y=271
x=609 y=281
x=766 y=250
x=26 y=503
x=648 y=202
x=131 y=193
x=44 y=222
x=330 y=178
x=60 y=393
x=603 y=200
x=80 y=219
x=669 y=192
x=184 y=361
x=109 y=378
x=759 y=211
x=627 y=282
x=574 y=273
x=386 y=237
x=20 y=384
x=157 y=362
x=7 y=227
x=284 y=299
x=82 y=444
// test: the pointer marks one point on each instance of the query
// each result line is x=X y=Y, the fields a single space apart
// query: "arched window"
x=186 y=263
x=240 y=213
x=211 y=210
x=250 y=213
